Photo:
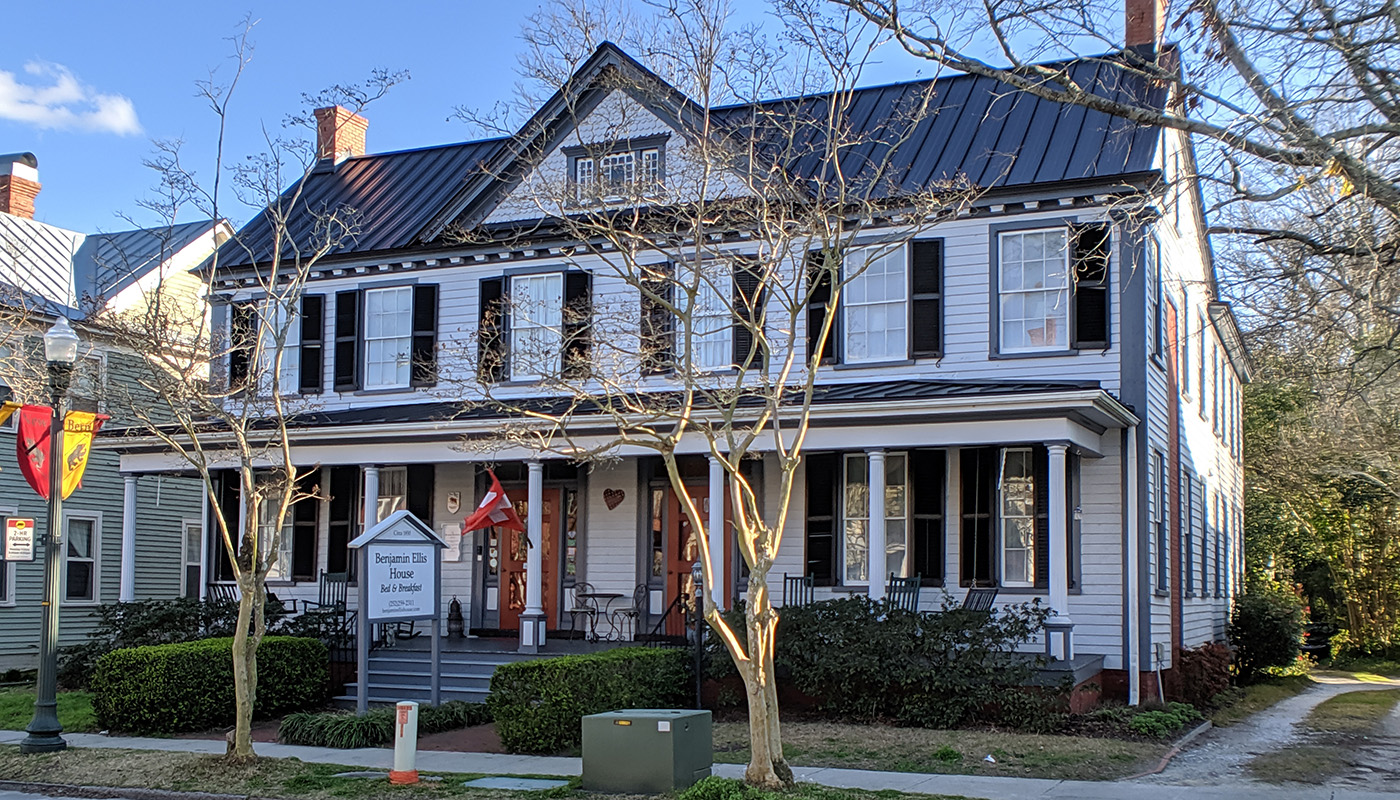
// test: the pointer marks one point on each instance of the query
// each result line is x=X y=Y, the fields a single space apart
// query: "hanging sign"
x=19 y=539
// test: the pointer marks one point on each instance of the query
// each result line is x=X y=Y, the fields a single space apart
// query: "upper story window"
x=717 y=319
x=1155 y=306
x=388 y=337
x=537 y=306
x=890 y=307
x=616 y=172
x=534 y=326
x=1052 y=289
x=876 y=308
x=711 y=318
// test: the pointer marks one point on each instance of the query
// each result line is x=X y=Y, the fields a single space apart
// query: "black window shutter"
x=348 y=311
x=491 y=332
x=420 y=491
x=823 y=279
x=1090 y=300
x=578 y=328
x=313 y=353
x=749 y=297
x=658 y=324
x=344 y=497
x=243 y=337
x=979 y=475
x=822 y=483
x=425 y=319
x=928 y=484
x=227 y=488
x=926 y=298
x=304 y=513
x=1040 y=475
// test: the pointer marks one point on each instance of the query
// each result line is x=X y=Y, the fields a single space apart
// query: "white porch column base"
x=1059 y=542
x=875 y=523
x=532 y=621
x=127 y=592
x=716 y=526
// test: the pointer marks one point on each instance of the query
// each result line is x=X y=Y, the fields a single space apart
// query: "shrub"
x=1162 y=723
x=861 y=660
x=188 y=686
x=539 y=706
x=1266 y=630
x=148 y=622
x=345 y=730
x=1204 y=673
x=717 y=788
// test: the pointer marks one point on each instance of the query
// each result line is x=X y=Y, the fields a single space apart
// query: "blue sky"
x=88 y=85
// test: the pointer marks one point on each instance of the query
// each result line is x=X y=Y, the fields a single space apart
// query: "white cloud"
x=56 y=99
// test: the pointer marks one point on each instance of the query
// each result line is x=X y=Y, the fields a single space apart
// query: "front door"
x=683 y=546
x=513 y=555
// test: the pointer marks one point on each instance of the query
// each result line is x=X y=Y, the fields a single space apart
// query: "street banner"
x=78 y=429
x=19 y=539
x=32 y=447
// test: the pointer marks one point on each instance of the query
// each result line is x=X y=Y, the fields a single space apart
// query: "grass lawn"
x=296 y=780
x=1255 y=698
x=826 y=744
x=74 y=710
x=1335 y=727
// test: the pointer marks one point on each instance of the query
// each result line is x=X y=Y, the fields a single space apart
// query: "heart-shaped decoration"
x=613 y=498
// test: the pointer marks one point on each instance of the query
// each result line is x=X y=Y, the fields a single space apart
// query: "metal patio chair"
x=626 y=622
x=585 y=606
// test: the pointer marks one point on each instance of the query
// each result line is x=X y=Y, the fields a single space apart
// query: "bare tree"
x=706 y=320
x=221 y=397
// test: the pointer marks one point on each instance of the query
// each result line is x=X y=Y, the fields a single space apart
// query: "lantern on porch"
x=454 y=618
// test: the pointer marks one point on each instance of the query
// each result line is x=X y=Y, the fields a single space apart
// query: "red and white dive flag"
x=495 y=510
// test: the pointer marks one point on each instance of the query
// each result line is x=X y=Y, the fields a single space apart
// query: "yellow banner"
x=7 y=408
x=78 y=430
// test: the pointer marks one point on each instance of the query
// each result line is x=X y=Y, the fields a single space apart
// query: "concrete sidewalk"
x=972 y=786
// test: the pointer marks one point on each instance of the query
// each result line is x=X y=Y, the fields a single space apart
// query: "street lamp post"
x=45 y=733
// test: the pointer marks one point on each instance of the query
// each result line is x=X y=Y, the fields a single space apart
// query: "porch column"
x=875 y=524
x=127 y=591
x=371 y=498
x=1059 y=542
x=532 y=623
x=204 y=566
x=716 y=525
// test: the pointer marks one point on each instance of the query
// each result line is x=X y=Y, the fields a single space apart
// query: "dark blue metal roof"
x=975 y=128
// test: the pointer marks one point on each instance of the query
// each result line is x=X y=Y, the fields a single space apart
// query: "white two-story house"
x=1047 y=386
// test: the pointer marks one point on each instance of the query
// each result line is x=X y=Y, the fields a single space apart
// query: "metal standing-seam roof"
x=109 y=262
x=978 y=128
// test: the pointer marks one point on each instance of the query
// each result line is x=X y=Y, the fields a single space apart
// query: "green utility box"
x=646 y=750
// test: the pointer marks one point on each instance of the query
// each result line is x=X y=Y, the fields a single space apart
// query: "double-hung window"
x=393 y=490
x=81 y=567
x=281 y=569
x=193 y=546
x=89 y=385
x=711 y=317
x=856 y=513
x=1161 y=519
x=628 y=169
x=1018 y=511
x=537 y=320
x=388 y=337
x=276 y=318
x=1033 y=290
x=876 y=305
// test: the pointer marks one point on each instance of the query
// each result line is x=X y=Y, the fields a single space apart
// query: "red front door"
x=683 y=546
x=513 y=558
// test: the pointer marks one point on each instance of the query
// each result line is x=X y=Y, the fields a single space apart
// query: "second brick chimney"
x=340 y=134
x=1144 y=22
x=19 y=184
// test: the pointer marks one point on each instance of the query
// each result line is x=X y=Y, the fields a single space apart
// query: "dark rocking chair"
x=903 y=593
x=797 y=590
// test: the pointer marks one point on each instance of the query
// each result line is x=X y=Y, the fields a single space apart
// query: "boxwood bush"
x=1266 y=629
x=539 y=706
x=188 y=686
x=346 y=730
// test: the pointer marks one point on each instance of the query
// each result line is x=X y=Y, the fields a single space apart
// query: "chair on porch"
x=630 y=619
x=332 y=590
x=223 y=593
x=903 y=593
x=797 y=590
x=980 y=598
x=585 y=606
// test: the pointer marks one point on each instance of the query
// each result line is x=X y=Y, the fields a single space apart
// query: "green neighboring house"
x=110 y=554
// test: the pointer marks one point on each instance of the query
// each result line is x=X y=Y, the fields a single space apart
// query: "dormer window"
x=617 y=171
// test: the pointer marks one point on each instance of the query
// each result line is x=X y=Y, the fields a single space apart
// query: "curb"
x=1172 y=753
x=105 y=792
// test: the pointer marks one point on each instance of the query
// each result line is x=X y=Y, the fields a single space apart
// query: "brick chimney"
x=1144 y=22
x=19 y=184
x=340 y=134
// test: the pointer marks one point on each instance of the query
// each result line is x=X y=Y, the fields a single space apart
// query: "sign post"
x=19 y=539
x=400 y=580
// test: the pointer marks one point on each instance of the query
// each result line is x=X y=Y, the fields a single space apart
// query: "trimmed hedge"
x=171 y=688
x=539 y=706
x=345 y=730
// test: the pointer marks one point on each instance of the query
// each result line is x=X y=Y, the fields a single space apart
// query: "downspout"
x=1133 y=656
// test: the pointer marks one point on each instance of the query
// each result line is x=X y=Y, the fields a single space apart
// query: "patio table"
x=607 y=598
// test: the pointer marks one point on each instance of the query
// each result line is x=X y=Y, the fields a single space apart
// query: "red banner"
x=32 y=447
